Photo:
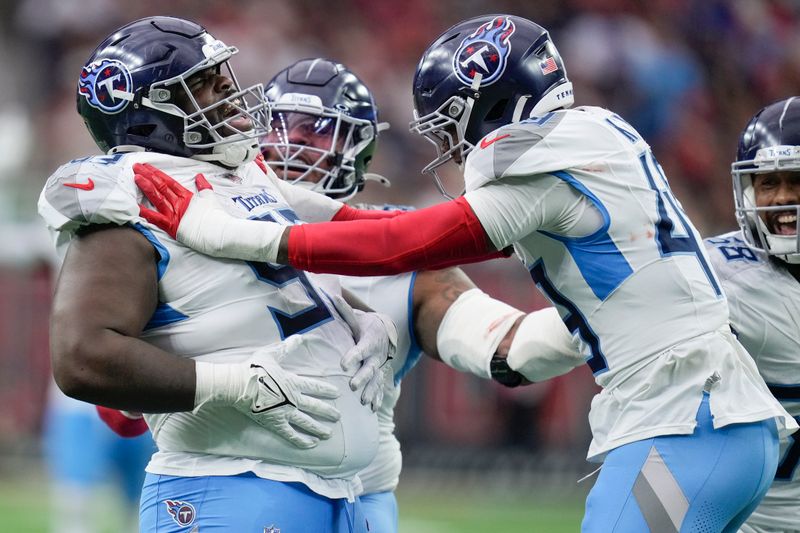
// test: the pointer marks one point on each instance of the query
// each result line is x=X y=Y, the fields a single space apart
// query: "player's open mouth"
x=231 y=114
x=784 y=223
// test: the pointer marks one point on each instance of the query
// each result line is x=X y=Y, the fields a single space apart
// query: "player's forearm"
x=107 y=368
x=434 y=293
x=347 y=213
x=439 y=236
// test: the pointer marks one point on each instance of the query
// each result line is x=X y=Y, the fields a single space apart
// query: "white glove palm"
x=376 y=343
x=284 y=403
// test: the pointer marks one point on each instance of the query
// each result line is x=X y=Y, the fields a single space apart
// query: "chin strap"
x=231 y=154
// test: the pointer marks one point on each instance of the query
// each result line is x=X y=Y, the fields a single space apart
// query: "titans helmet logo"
x=484 y=52
x=182 y=513
x=106 y=84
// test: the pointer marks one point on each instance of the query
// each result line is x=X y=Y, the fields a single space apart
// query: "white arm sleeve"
x=472 y=328
x=543 y=348
x=309 y=206
x=513 y=207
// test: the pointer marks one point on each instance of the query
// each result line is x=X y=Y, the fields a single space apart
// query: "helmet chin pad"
x=231 y=154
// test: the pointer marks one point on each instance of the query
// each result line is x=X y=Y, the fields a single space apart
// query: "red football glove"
x=170 y=198
x=120 y=423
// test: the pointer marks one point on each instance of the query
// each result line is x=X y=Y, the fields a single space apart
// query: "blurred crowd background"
x=686 y=73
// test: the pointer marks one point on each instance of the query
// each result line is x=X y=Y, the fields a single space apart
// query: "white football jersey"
x=764 y=300
x=391 y=295
x=589 y=211
x=222 y=310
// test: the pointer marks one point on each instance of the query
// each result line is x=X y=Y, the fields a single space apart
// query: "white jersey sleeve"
x=90 y=190
x=513 y=207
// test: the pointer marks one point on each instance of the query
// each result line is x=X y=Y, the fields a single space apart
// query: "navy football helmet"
x=481 y=74
x=769 y=143
x=324 y=128
x=130 y=87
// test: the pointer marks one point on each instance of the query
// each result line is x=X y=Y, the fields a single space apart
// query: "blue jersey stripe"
x=414 y=350
x=599 y=260
x=160 y=248
x=163 y=316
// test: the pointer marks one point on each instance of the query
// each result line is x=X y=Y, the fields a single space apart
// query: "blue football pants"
x=706 y=482
x=244 y=504
x=380 y=508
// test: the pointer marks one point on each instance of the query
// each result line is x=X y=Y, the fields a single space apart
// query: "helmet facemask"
x=335 y=163
x=231 y=141
x=750 y=217
x=446 y=128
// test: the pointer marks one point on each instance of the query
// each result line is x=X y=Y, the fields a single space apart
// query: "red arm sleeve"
x=347 y=213
x=436 y=237
x=121 y=424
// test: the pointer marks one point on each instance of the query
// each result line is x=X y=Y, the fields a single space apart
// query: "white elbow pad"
x=543 y=348
x=471 y=330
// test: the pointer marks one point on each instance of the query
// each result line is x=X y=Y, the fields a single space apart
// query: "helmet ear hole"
x=497 y=111
x=141 y=130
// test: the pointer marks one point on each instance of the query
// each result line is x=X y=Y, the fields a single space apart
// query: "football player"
x=589 y=212
x=227 y=358
x=759 y=268
x=323 y=136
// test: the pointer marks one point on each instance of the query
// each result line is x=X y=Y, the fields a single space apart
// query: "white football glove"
x=376 y=343
x=284 y=403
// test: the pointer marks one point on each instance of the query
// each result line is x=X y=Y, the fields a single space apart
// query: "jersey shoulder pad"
x=730 y=254
x=90 y=190
x=516 y=149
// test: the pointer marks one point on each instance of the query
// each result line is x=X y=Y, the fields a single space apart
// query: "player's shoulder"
x=493 y=156
x=95 y=190
x=730 y=255
x=512 y=140
x=539 y=145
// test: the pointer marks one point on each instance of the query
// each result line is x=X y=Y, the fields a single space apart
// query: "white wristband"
x=208 y=228
x=219 y=383
x=472 y=329
x=543 y=348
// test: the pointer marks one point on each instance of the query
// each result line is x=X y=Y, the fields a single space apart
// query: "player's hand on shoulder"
x=199 y=220
x=296 y=408
x=170 y=199
x=376 y=343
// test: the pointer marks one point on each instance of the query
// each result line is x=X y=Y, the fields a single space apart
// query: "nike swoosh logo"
x=487 y=143
x=88 y=186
